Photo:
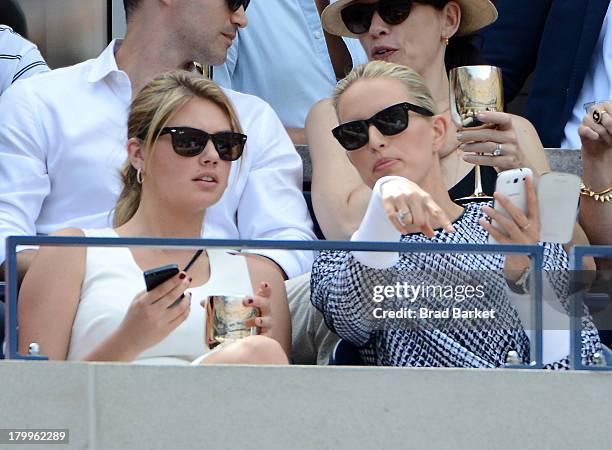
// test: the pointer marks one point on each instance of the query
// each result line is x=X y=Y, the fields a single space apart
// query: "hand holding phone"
x=157 y=276
x=150 y=317
x=512 y=184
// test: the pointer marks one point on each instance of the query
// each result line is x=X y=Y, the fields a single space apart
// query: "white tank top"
x=112 y=280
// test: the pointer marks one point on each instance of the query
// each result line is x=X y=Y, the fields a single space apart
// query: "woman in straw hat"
x=431 y=37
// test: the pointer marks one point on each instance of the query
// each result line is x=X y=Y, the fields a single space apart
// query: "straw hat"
x=475 y=14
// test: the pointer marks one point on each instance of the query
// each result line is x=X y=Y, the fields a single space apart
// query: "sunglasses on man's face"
x=234 y=5
x=190 y=142
x=358 y=16
x=390 y=121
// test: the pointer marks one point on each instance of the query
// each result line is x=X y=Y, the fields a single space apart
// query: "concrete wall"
x=109 y=406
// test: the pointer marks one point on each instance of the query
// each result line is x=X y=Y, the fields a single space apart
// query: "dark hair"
x=130 y=6
x=12 y=15
x=462 y=50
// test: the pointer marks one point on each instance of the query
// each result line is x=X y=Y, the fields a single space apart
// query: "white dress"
x=112 y=280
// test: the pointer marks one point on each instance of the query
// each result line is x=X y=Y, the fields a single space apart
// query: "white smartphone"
x=558 y=195
x=511 y=183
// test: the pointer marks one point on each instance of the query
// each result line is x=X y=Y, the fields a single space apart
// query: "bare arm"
x=24 y=261
x=279 y=308
x=49 y=298
x=529 y=141
x=596 y=216
x=339 y=196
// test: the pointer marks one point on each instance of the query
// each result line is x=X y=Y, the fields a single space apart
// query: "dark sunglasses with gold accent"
x=390 y=121
x=190 y=142
x=234 y=5
x=358 y=16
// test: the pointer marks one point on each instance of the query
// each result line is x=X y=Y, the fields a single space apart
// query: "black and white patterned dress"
x=342 y=289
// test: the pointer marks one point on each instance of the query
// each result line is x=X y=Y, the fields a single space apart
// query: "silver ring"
x=400 y=216
x=498 y=150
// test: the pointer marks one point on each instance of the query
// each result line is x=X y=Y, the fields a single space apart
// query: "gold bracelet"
x=602 y=196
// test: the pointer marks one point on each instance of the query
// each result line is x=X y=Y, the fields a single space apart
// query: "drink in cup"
x=228 y=320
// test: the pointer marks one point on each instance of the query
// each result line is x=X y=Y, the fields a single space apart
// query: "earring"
x=446 y=41
x=139 y=175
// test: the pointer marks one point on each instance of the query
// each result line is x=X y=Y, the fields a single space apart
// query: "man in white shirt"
x=63 y=137
x=286 y=58
x=19 y=58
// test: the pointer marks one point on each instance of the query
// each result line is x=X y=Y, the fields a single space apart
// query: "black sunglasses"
x=358 y=16
x=190 y=142
x=234 y=5
x=390 y=121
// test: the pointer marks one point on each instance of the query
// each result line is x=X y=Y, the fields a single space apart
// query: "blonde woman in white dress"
x=184 y=143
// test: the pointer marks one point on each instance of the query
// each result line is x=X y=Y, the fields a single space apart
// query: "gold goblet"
x=475 y=89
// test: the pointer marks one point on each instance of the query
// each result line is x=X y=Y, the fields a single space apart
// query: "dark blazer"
x=554 y=39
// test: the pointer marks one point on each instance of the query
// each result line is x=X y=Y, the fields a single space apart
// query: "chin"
x=217 y=60
x=211 y=199
x=215 y=57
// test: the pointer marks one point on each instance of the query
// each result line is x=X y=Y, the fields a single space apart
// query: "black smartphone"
x=157 y=276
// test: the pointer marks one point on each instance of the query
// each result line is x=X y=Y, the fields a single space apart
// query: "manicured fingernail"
x=250 y=301
x=266 y=285
x=182 y=275
x=190 y=279
x=480 y=116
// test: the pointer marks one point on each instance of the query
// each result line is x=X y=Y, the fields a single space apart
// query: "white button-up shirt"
x=63 y=141
x=283 y=58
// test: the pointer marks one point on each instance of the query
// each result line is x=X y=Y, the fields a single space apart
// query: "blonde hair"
x=414 y=83
x=150 y=112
